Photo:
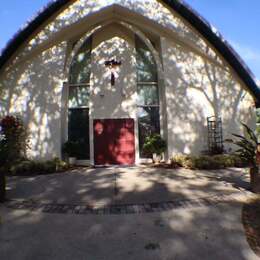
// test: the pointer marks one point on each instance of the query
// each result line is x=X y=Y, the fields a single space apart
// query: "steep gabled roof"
x=180 y=7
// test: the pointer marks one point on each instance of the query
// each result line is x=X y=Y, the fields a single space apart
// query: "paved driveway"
x=106 y=186
x=192 y=215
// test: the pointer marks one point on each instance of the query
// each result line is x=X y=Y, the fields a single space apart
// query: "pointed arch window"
x=78 y=103
x=81 y=64
x=148 y=95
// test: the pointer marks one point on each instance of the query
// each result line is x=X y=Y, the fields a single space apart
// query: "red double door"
x=114 y=142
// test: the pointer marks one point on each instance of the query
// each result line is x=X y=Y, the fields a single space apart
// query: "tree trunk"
x=255 y=179
x=2 y=187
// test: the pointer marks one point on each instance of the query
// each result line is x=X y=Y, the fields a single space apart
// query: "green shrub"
x=14 y=139
x=208 y=162
x=231 y=160
x=225 y=160
x=185 y=161
x=13 y=145
x=27 y=168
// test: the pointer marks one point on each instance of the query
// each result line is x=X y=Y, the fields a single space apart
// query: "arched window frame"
x=78 y=99
x=151 y=104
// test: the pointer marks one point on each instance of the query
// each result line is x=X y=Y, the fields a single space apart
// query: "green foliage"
x=208 y=162
x=13 y=145
x=231 y=160
x=27 y=168
x=197 y=162
x=13 y=139
x=154 y=144
x=71 y=148
x=247 y=145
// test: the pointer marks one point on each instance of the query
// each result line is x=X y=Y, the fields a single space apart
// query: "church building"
x=107 y=74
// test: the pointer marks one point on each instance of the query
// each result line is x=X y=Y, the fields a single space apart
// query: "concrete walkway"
x=211 y=231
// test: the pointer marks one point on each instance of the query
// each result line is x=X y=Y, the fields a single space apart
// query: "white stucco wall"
x=33 y=92
x=197 y=89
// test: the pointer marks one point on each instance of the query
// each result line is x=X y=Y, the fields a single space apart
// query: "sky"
x=237 y=20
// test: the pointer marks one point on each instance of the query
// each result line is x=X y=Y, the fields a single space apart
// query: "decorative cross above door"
x=112 y=65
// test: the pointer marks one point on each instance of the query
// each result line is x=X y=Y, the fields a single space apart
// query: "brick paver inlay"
x=121 y=208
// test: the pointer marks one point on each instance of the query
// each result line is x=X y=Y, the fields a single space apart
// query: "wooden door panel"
x=114 y=141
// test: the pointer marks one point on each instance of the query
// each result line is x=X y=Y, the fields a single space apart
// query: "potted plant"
x=249 y=151
x=71 y=148
x=156 y=146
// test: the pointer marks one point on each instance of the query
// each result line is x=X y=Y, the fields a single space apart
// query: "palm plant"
x=247 y=145
x=247 y=151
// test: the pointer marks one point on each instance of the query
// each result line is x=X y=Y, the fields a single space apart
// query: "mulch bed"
x=251 y=222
